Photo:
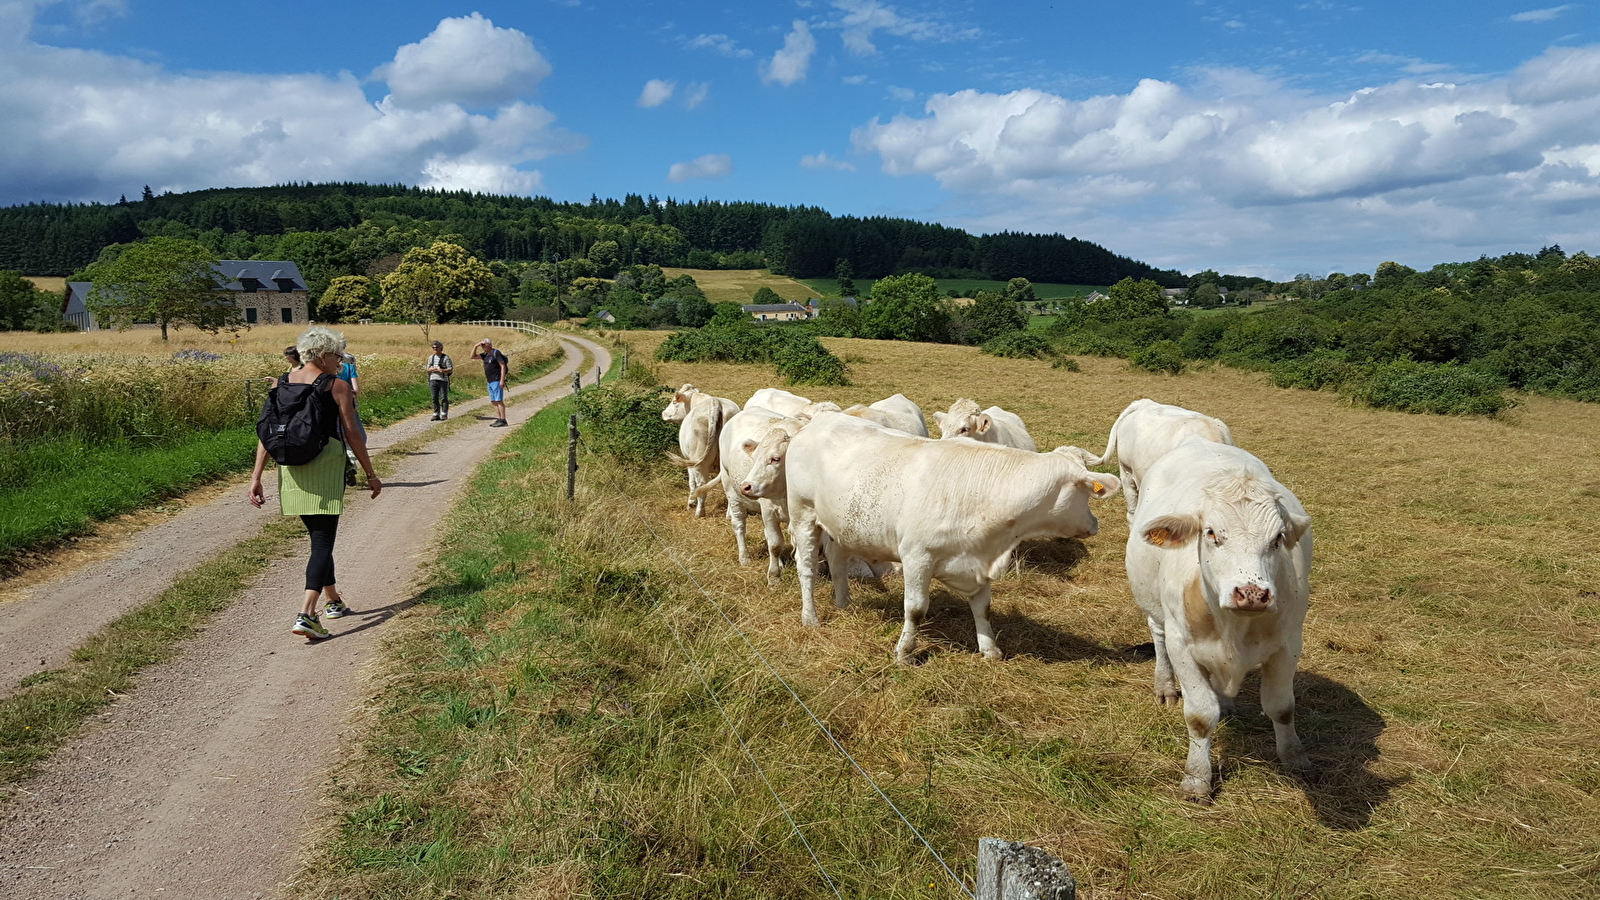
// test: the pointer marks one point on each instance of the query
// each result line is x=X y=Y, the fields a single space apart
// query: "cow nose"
x=1251 y=596
x=747 y=489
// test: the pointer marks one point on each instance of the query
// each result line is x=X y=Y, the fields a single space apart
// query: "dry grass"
x=1448 y=690
x=51 y=283
x=383 y=340
x=739 y=285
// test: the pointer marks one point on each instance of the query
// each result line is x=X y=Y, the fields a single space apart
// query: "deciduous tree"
x=168 y=281
x=347 y=299
x=433 y=282
x=905 y=308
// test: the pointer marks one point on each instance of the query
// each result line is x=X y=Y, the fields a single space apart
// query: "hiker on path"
x=495 y=369
x=348 y=375
x=314 y=491
x=439 y=370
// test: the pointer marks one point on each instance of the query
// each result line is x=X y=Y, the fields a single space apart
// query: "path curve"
x=201 y=781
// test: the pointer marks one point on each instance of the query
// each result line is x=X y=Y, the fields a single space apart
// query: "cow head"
x=765 y=479
x=1241 y=533
x=678 y=409
x=963 y=420
x=1071 y=516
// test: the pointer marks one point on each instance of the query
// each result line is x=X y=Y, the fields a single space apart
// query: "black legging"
x=441 y=395
x=319 y=570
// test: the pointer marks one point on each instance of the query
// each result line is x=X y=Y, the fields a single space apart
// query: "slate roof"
x=232 y=272
x=773 y=308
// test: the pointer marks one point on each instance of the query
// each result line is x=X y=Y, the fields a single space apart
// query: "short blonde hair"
x=319 y=341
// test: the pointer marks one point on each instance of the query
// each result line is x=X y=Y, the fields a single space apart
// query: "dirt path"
x=200 y=782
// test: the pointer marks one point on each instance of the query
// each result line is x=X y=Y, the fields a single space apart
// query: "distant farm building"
x=603 y=315
x=779 y=312
x=268 y=292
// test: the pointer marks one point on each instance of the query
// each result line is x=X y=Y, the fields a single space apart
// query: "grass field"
x=53 y=284
x=966 y=286
x=543 y=733
x=739 y=285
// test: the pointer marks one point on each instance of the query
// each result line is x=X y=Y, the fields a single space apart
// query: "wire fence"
x=827 y=733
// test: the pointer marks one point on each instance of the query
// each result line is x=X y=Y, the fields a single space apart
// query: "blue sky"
x=1256 y=138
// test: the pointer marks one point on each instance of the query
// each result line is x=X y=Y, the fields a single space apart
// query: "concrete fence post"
x=577 y=383
x=1008 y=870
x=572 y=455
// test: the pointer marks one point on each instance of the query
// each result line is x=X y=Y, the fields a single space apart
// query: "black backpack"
x=293 y=424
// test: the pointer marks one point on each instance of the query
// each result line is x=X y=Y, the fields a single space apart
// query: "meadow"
x=545 y=727
x=739 y=285
x=965 y=287
x=96 y=424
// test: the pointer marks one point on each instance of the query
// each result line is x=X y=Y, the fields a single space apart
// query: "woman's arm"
x=257 y=496
x=345 y=398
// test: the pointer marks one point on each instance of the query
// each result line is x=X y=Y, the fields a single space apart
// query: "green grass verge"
x=52 y=705
x=72 y=485
x=541 y=729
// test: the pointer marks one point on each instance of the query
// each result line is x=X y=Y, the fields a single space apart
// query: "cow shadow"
x=1055 y=556
x=1340 y=733
x=949 y=628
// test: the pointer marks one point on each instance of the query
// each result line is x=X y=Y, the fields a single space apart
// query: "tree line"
x=801 y=241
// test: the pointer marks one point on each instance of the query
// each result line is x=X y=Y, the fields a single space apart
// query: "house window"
x=250 y=285
x=285 y=286
x=250 y=314
x=288 y=315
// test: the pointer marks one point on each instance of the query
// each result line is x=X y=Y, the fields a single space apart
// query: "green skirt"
x=316 y=488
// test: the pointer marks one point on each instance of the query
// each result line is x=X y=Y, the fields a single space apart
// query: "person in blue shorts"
x=495 y=369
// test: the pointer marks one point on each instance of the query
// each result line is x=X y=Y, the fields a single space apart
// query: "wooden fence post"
x=596 y=374
x=1011 y=871
x=577 y=384
x=572 y=455
x=624 y=362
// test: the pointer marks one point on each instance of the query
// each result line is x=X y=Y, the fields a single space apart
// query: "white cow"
x=951 y=510
x=778 y=400
x=897 y=412
x=700 y=417
x=992 y=426
x=740 y=436
x=1144 y=432
x=1219 y=558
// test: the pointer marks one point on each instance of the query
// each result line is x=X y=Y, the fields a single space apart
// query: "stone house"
x=778 y=312
x=268 y=292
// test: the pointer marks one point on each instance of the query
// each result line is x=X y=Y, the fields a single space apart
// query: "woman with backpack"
x=308 y=419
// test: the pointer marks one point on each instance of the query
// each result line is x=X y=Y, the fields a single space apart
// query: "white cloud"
x=863 y=17
x=720 y=43
x=824 y=161
x=854 y=79
x=656 y=92
x=711 y=165
x=467 y=61
x=696 y=93
x=85 y=125
x=1543 y=15
x=789 y=64
x=1490 y=162
x=904 y=95
x=1409 y=64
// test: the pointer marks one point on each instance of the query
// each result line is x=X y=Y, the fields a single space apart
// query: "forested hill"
x=802 y=241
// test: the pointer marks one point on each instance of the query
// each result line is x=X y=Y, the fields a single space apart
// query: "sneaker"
x=309 y=628
x=336 y=610
x=444 y=415
x=435 y=418
x=498 y=423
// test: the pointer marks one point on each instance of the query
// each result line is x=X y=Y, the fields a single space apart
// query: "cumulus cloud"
x=695 y=94
x=467 y=61
x=1235 y=152
x=904 y=95
x=85 y=125
x=1543 y=15
x=863 y=17
x=720 y=43
x=789 y=64
x=824 y=161
x=712 y=165
x=656 y=92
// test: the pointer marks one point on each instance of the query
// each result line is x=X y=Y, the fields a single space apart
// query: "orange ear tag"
x=1098 y=487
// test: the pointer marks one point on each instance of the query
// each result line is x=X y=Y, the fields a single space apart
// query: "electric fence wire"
x=821 y=726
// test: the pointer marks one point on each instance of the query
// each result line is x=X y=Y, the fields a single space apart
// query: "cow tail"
x=1111 y=439
x=713 y=455
x=705 y=489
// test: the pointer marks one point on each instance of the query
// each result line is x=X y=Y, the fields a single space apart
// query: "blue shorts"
x=497 y=392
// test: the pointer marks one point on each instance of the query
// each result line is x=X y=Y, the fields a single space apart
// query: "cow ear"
x=1171 y=531
x=984 y=422
x=1295 y=527
x=938 y=419
x=749 y=446
x=1102 y=485
x=679 y=398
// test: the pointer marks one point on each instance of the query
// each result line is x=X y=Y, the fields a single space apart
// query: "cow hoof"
x=1196 y=790
x=1166 y=697
x=810 y=621
x=773 y=581
x=993 y=654
x=1298 y=763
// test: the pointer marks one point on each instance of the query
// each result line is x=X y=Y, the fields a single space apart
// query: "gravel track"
x=202 y=779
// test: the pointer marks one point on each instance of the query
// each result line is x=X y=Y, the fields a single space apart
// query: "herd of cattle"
x=1218 y=554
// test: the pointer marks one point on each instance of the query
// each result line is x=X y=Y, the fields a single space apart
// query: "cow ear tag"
x=1157 y=536
x=1099 y=487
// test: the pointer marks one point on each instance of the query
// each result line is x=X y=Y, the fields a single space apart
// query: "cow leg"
x=772 y=526
x=1130 y=490
x=737 y=517
x=918 y=572
x=696 y=504
x=980 y=621
x=838 y=572
x=1200 y=712
x=1166 y=690
x=806 y=532
x=1277 y=701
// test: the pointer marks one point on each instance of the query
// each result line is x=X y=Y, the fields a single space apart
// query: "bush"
x=623 y=421
x=792 y=349
x=1419 y=387
x=1018 y=345
x=1088 y=343
x=805 y=361
x=1067 y=363
x=1316 y=371
x=1162 y=356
